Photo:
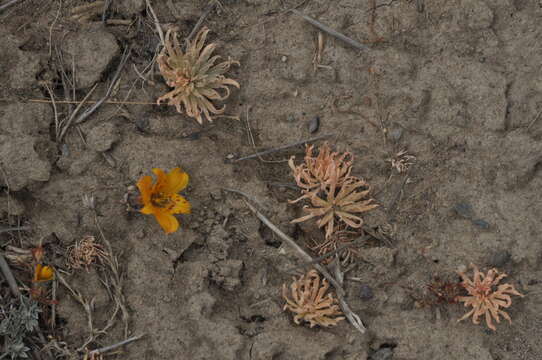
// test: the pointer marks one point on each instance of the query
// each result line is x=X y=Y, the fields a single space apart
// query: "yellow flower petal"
x=161 y=180
x=176 y=181
x=43 y=273
x=147 y=209
x=145 y=188
x=182 y=206
x=167 y=221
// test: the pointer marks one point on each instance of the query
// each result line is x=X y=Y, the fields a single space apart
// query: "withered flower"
x=486 y=296
x=85 y=253
x=194 y=76
x=310 y=303
x=340 y=204
x=317 y=172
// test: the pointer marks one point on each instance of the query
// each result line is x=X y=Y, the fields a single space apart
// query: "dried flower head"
x=194 y=76
x=161 y=198
x=85 y=253
x=486 y=296
x=317 y=172
x=340 y=204
x=341 y=238
x=402 y=161
x=310 y=303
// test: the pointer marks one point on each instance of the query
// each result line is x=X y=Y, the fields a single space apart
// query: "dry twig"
x=114 y=346
x=280 y=148
x=8 y=4
x=94 y=107
x=330 y=31
x=8 y=275
x=337 y=284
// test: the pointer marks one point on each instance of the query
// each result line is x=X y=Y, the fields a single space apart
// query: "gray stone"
x=464 y=210
x=102 y=136
x=21 y=163
x=314 y=124
x=382 y=354
x=366 y=292
x=92 y=50
x=499 y=259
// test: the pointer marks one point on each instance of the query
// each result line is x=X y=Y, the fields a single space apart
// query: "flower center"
x=161 y=200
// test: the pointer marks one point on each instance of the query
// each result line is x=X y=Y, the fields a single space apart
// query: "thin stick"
x=106 y=7
x=251 y=140
x=57 y=124
x=116 y=102
x=352 y=317
x=330 y=31
x=8 y=4
x=51 y=28
x=269 y=151
x=119 y=22
x=535 y=120
x=9 y=276
x=74 y=113
x=85 y=8
x=114 y=346
x=94 y=107
x=332 y=252
x=210 y=6
x=290 y=242
x=53 y=306
x=20 y=228
x=156 y=23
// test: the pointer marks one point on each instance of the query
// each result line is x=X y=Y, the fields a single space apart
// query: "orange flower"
x=43 y=273
x=161 y=198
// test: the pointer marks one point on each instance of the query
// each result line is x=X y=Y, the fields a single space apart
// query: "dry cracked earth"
x=456 y=83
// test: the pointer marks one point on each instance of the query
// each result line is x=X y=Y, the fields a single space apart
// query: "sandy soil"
x=456 y=83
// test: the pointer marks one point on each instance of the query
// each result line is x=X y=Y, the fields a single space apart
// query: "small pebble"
x=230 y=156
x=366 y=293
x=395 y=133
x=284 y=58
x=382 y=354
x=464 y=210
x=314 y=124
x=481 y=223
x=499 y=259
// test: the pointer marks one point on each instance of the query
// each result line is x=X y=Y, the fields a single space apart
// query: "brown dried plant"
x=402 y=161
x=486 y=296
x=194 y=76
x=316 y=172
x=335 y=195
x=338 y=205
x=340 y=238
x=85 y=253
x=310 y=303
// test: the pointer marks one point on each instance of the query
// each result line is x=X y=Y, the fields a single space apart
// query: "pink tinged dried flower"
x=486 y=296
x=310 y=303
x=194 y=76
x=340 y=206
x=316 y=173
